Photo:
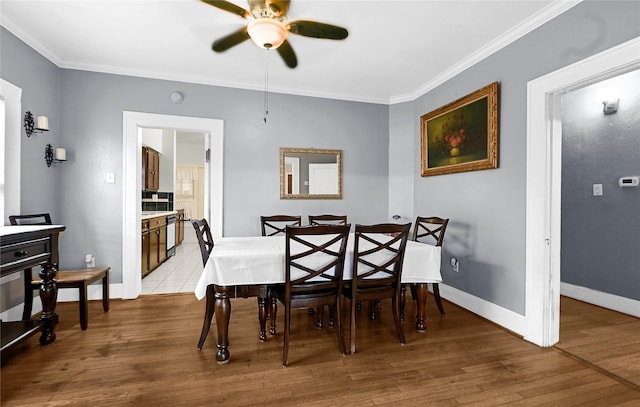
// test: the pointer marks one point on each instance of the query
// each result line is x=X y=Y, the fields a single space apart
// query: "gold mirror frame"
x=298 y=152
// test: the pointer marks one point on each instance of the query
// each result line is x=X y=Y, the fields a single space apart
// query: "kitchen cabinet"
x=146 y=242
x=150 y=169
x=179 y=227
x=157 y=242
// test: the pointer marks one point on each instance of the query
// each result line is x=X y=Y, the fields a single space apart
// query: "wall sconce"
x=50 y=157
x=41 y=124
x=610 y=107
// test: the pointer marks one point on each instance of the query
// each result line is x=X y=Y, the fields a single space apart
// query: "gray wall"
x=601 y=234
x=86 y=110
x=40 y=190
x=487 y=208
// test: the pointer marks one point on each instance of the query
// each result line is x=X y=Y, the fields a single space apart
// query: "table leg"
x=223 y=314
x=49 y=296
x=421 y=304
x=262 y=312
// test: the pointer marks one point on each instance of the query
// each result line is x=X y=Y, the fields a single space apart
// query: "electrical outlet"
x=455 y=264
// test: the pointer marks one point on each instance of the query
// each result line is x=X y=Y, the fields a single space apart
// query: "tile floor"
x=178 y=274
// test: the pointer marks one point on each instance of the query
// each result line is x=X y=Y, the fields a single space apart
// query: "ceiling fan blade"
x=230 y=40
x=287 y=54
x=229 y=7
x=317 y=30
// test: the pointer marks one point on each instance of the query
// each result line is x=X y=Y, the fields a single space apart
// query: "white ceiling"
x=396 y=50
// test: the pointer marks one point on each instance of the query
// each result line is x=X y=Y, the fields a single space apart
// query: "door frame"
x=132 y=185
x=543 y=180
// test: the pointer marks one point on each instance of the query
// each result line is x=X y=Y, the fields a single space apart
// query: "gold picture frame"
x=462 y=135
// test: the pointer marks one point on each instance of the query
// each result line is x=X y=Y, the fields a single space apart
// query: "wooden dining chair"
x=78 y=279
x=429 y=230
x=275 y=225
x=314 y=266
x=377 y=270
x=327 y=219
x=205 y=241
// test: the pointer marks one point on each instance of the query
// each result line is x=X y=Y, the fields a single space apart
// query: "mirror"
x=310 y=173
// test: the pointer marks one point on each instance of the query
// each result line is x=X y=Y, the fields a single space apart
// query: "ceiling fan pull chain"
x=266 y=87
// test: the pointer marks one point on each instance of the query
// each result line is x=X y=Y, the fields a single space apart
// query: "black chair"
x=78 y=279
x=275 y=225
x=327 y=219
x=314 y=265
x=377 y=270
x=430 y=231
x=206 y=243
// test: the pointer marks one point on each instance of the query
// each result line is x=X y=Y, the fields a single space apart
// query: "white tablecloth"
x=260 y=260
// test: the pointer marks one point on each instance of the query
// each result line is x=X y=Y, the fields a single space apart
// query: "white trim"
x=602 y=299
x=10 y=153
x=132 y=144
x=494 y=313
x=521 y=29
x=543 y=184
x=546 y=14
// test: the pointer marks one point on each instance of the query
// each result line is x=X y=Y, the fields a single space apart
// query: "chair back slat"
x=315 y=257
x=35 y=219
x=275 y=225
x=430 y=230
x=327 y=219
x=205 y=240
x=379 y=254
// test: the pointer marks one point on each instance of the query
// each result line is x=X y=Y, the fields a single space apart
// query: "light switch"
x=110 y=177
x=597 y=189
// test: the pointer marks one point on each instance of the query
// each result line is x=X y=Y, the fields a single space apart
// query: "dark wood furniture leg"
x=105 y=292
x=208 y=315
x=48 y=295
x=263 y=311
x=28 y=295
x=421 y=304
x=84 y=318
x=223 y=314
x=436 y=295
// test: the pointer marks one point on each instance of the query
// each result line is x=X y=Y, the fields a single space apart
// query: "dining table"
x=260 y=261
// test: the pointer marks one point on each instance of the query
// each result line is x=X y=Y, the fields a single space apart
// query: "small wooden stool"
x=79 y=279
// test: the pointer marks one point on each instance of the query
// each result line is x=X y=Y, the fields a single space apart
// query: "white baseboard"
x=494 y=313
x=94 y=292
x=602 y=299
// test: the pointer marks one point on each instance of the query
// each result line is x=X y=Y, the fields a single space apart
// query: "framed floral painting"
x=462 y=135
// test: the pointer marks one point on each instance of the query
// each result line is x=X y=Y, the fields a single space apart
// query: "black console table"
x=24 y=247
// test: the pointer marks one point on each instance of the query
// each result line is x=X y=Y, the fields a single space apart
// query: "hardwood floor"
x=143 y=352
x=601 y=337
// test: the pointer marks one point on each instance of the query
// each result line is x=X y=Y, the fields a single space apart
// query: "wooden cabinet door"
x=162 y=244
x=145 y=252
x=179 y=227
x=155 y=170
x=150 y=169
x=154 y=248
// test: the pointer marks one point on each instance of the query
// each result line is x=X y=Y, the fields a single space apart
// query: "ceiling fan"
x=269 y=26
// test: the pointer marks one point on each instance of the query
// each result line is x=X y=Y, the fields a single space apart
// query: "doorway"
x=544 y=148
x=131 y=225
x=181 y=271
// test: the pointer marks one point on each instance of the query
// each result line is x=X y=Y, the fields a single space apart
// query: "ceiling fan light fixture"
x=267 y=32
